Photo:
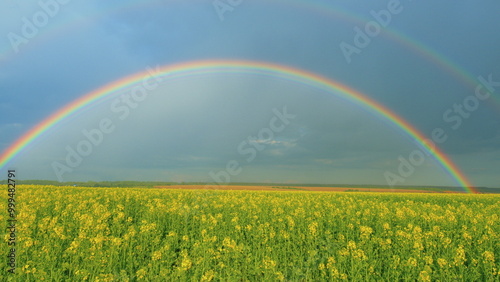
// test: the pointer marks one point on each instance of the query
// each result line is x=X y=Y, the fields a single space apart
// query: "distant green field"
x=287 y=188
x=152 y=184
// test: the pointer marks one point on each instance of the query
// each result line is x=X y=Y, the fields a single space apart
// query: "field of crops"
x=122 y=234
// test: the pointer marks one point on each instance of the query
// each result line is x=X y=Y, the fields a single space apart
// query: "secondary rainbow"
x=327 y=10
x=241 y=67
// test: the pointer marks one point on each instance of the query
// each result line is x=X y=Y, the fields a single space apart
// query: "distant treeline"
x=94 y=183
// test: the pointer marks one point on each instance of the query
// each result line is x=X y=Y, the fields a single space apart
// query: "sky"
x=425 y=61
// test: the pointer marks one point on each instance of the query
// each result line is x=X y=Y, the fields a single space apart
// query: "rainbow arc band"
x=323 y=9
x=240 y=67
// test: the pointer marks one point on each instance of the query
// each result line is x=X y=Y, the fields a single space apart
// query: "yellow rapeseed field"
x=125 y=234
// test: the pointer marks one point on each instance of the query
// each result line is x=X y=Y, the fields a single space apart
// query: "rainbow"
x=412 y=45
x=243 y=67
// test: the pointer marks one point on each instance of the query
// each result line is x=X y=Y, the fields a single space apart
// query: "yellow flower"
x=418 y=246
x=116 y=241
x=359 y=254
x=186 y=264
x=428 y=260
x=412 y=262
x=400 y=213
x=73 y=246
x=26 y=268
x=269 y=263
x=334 y=272
x=459 y=256
x=313 y=228
x=105 y=277
x=442 y=262
x=424 y=276
x=285 y=234
x=467 y=236
x=351 y=245
x=156 y=255
x=229 y=243
x=280 y=276
x=140 y=273
x=291 y=222
x=417 y=230
x=145 y=227
x=28 y=243
x=365 y=231
x=344 y=252
x=446 y=241
x=331 y=261
x=489 y=257
x=59 y=230
x=208 y=276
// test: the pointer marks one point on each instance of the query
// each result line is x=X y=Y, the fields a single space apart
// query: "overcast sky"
x=197 y=127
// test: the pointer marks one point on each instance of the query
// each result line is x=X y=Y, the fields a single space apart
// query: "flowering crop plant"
x=137 y=234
